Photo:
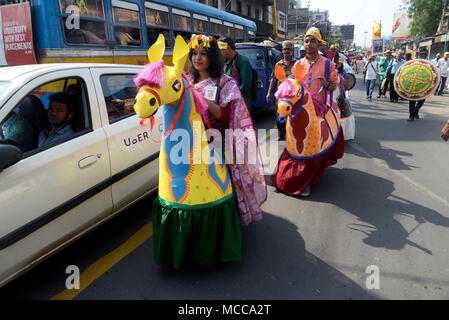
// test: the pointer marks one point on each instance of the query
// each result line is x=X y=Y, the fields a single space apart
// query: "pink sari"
x=248 y=178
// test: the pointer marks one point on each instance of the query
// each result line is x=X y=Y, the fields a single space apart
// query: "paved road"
x=385 y=204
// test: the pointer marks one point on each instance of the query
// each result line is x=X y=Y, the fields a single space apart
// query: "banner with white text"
x=16 y=36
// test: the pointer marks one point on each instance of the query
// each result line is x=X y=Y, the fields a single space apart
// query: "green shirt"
x=383 y=65
x=245 y=76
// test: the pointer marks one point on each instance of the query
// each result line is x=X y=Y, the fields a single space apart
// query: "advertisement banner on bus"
x=16 y=36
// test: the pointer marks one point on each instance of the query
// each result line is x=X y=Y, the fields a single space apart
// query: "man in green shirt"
x=383 y=65
x=238 y=67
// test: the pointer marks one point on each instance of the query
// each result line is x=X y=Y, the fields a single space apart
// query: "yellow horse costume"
x=195 y=216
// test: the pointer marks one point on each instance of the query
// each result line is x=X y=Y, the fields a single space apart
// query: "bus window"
x=127 y=14
x=91 y=32
x=87 y=8
x=200 y=24
x=228 y=29
x=182 y=22
x=215 y=27
x=239 y=33
x=251 y=36
x=158 y=21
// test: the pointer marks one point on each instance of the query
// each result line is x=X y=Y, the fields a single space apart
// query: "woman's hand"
x=213 y=108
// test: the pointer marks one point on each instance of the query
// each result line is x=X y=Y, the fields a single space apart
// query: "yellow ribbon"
x=222 y=45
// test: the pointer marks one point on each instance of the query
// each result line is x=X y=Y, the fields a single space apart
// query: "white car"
x=52 y=194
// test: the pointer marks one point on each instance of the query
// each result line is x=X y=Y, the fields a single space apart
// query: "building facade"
x=298 y=19
x=270 y=16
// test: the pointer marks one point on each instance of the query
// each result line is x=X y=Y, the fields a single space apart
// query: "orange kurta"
x=318 y=70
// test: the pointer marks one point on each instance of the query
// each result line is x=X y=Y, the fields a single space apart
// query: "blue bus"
x=121 y=31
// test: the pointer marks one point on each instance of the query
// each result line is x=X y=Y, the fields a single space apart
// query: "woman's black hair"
x=216 y=62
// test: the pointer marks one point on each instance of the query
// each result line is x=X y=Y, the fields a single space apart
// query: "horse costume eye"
x=152 y=101
x=288 y=108
x=176 y=85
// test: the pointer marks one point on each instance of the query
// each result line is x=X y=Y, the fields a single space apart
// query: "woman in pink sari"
x=227 y=112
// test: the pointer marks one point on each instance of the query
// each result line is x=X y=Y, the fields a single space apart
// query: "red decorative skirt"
x=294 y=175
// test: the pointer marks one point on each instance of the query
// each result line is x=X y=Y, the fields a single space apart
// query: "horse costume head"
x=310 y=129
x=160 y=84
x=291 y=91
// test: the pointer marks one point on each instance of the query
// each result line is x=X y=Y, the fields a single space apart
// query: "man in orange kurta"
x=294 y=176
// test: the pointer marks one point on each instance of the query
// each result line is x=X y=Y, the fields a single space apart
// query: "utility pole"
x=365 y=40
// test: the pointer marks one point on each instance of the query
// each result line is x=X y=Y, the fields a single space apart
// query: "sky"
x=361 y=13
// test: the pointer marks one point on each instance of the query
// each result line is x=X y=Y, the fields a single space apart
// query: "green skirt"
x=198 y=234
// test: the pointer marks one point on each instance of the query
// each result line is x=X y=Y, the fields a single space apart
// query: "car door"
x=56 y=192
x=132 y=147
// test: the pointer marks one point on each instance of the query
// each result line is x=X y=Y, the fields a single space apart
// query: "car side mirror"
x=9 y=155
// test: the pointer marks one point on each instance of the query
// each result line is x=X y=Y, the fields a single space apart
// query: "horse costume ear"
x=156 y=51
x=299 y=71
x=180 y=54
x=279 y=73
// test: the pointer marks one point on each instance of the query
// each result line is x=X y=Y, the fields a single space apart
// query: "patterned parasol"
x=416 y=79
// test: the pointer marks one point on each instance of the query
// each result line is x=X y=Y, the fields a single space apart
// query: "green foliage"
x=336 y=38
x=425 y=15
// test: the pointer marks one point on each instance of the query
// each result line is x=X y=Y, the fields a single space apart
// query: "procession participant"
x=287 y=62
x=445 y=131
x=443 y=68
x=341 y=97
x=372 y=69
x=408 y=56
x=196 y=214
x=238 y=67
x=302 y=53
x=229 y=111
x=383 y=65
x=415 y=106
x=393 y=66
x=294 y=175
x=437 y=58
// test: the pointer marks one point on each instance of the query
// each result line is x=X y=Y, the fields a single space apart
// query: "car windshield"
x=255 y=56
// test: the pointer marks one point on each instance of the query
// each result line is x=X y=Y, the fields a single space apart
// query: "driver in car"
x=60 y=113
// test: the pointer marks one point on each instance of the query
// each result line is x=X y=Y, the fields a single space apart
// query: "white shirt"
x=443 y=66
x=372 y=69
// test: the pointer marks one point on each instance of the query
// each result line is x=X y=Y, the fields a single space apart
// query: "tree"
x=425 y=15
x=336 y=38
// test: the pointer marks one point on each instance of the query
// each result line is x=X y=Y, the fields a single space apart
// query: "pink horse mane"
x=286 y=91
x=152 y=75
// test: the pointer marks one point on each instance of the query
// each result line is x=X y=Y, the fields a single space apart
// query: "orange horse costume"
x=314 y=136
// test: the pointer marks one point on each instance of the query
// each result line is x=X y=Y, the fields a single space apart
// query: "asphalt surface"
x=385 y=204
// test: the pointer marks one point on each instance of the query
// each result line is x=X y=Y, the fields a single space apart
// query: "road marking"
x=97 y=269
